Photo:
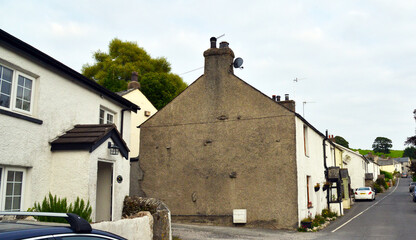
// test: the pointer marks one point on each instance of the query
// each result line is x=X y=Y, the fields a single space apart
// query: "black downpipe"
x=326 y=167
x=122 y=121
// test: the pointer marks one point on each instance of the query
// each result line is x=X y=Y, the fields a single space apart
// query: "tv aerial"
x=298 y=79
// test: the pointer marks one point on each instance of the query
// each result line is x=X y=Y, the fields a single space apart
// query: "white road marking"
x=367 y=208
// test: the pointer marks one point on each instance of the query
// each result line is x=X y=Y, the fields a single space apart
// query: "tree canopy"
x=411 y=140
x=410 y=152
x=113 y=70
x=341 y=141
x=382 y=145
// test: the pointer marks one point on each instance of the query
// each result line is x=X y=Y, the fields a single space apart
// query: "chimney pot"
x=278 y=98
x=224 y=44
x=274 y=97
x=213 y=41
x=286 y=97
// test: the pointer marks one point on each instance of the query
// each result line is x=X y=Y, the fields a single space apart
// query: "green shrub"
x=382 y=182
x=302 y=229
x=377 y=188
x=58 y=205
x=318 y=220
x=414 y=178
x=81 y=209
x=387 y=175
x=328 y=214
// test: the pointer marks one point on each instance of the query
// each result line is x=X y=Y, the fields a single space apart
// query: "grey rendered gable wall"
x=222 y=141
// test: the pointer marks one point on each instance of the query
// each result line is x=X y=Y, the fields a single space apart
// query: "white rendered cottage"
x=57 y=129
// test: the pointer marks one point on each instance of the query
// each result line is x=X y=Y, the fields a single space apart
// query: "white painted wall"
x=356 y=165
x=373 y=168
x=138 y=98
x=140 y=228
x=60 y=103
x=312 y=165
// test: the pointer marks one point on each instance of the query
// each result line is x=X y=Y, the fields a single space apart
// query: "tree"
x=410 y=152
x=382 y=145
x=341 y=141
x=113 y=70
x=411 y=140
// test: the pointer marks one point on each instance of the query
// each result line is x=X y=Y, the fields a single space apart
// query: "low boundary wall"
x=138 y=227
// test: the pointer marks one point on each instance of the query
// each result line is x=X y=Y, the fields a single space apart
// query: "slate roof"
x=402 y=160
x=386 y=162
x=89 y=137
x=27 y=50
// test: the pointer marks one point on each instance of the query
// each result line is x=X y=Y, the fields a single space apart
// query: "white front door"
x=104 y=191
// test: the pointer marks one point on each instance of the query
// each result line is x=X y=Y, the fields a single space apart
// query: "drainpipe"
x=325 y=166
x=122 y=121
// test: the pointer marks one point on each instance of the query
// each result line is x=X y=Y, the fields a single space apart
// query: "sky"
x=355 y=61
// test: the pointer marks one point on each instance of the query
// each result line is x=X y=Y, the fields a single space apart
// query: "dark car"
x=404 y=175
x=412 y=186
x=78 y=228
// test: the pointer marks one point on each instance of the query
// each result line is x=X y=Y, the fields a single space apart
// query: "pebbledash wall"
x=223 y=145
x=59 y=103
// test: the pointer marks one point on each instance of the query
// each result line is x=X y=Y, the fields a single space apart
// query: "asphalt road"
x=391 y=216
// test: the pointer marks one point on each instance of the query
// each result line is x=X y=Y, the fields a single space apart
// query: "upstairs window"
x=106 y=117
x=16 y=90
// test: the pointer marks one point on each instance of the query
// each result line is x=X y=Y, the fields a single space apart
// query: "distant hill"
x=392 y=154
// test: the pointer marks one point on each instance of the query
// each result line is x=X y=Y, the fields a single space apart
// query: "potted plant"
x=326 y=186
x=317 y=187
x=306 y=223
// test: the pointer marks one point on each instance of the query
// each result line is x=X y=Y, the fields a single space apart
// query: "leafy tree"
x=341 y=141
x=411 y=140
x=410 y=152
x=382 y=145
x=113 y=70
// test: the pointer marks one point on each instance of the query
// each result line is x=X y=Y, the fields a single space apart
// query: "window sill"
x=20 y=116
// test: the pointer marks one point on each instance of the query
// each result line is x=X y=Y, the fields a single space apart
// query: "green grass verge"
x=392 y=154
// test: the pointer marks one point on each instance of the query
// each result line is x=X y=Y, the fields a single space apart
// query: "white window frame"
x=13 y=95
x=106 y=114
x=3 y=185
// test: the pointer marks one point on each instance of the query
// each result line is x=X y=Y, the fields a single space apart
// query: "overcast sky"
x=355 y=60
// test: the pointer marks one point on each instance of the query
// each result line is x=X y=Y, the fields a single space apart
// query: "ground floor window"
x=11 y=188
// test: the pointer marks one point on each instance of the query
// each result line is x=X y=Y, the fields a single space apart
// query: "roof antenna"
x=221 y=36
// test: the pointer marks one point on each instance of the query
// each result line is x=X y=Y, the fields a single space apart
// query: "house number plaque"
x=119 y=178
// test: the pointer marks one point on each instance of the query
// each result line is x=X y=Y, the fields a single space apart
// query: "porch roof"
x=89 y=137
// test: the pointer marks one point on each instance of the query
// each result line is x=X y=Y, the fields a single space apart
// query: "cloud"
x=68 y=29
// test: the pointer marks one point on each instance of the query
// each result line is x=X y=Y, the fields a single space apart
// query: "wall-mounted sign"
x=119 y=178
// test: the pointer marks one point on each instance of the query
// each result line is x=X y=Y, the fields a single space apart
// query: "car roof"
x=14 y=228
x=23 y=229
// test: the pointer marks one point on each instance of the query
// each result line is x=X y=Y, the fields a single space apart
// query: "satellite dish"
x=238 y=62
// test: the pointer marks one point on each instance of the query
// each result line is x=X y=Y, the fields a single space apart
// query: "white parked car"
x=364 y=193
